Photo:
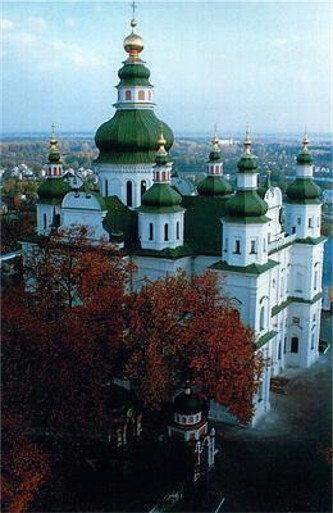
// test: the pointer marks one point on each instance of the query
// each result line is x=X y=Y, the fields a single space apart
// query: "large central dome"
x=130 y=136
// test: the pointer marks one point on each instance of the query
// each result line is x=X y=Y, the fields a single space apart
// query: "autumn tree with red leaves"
x=181 y=329
x=24 y=466
x=62 y=338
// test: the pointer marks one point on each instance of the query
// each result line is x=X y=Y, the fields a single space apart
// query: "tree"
x=25 y=466
x=61 y=340
x=180 y=329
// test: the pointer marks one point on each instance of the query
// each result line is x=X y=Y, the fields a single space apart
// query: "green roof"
x=311 y=240
x=134 y=73
x=249 y=269
x=294 y=299
x=265 y=338
x=246 y=203
x=187 y=404
x=303 y=188
x=53 y=189
x=214 y=186
x=203 y=228
x=120 y=218
x=159 y=196
x=247 y=164
x=304 y=158
x=130 y=137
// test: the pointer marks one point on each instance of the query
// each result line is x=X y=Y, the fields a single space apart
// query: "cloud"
x=279 y=42
x=37 y=23
x=6 y=24
x=70 y=22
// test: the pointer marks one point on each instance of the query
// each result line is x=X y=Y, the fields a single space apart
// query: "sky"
x=267 y=64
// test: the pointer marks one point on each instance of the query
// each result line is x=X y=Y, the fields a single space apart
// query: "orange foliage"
x=25 y=466
x=179 y=330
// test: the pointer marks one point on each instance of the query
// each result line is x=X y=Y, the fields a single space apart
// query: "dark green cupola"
x=53 y=188
x=161 y=197
x=246 y=205
x=303 y=189
x=214 y=184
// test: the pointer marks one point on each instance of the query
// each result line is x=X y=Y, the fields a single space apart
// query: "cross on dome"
x=305 y=140
x=247 y=142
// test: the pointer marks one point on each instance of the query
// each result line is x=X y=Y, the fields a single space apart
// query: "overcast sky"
x=265 y=63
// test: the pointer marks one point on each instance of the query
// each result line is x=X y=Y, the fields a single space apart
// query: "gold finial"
x=247 y=142
x=305 y=140
x=133 y=43
x=215 y=142
x=161 y=142
x=53 y=140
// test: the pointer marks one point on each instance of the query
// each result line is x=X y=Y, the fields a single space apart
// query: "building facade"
x=271 y=269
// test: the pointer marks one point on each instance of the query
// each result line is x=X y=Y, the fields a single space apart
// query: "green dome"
x=130 y=137
x=214 y=186
x=303 y=189
x=188 y=404
x=304 y=158
x=134 y=73
x=53 y=189
x=54 y=155
x=215 y=155
x=246 y=204
x=161 y=195
x=247 y=164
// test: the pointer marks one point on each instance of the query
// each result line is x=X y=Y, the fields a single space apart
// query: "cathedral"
x=267 y=256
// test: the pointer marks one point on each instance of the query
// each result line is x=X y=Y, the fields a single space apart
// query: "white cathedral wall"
x=158 y=223
x=306 y=271
x=155 y=268
x=44 y=217
x=93 y=220
x=246 y=235
x=304 y=220
x=113 y=180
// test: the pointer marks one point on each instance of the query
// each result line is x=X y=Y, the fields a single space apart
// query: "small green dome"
x=188 y=404
x=246 y=204
x=214 y=186
x=304 y=158
x=247 y=164
x=53 y=188
x=130 y=136
x=215 y=155
x=134 y=73
x=161 y=195
x=303 y=188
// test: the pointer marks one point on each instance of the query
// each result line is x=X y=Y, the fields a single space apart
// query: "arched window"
x=128 y=95
x=129 y=193
x=262 y=318
x=177 y=230
x=151 y=231
x=149 y=95
x=157 y=176
x=316 y=280
x=216 y=169
x=298 y=284
x=312 y=340
x=166 y=231
x=294 y=345
x=106 y=188
x=45 y=221
x=141 y=95
x=143 y=187
x=279 y=351
x=163 y=176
